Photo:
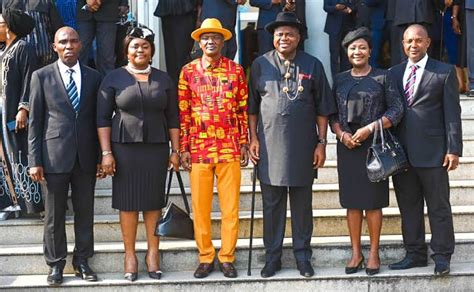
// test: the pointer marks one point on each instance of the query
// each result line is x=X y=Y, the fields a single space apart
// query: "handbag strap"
x=183 y=192
x=379 y=131
x=181 y=187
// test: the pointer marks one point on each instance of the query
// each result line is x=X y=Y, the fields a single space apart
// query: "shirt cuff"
x=24 y=105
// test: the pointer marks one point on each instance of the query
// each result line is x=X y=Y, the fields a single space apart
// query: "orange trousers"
x=202 y=191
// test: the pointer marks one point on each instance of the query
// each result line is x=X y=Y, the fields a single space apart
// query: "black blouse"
x=377 y=92
x=138 y=113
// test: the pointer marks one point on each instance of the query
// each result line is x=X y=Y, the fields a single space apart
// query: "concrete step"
x=182 y=255
x=325 y=196
x=329 y=222
x=326 y=175
x=327 y=279
x=468 y=125
x=467 y=106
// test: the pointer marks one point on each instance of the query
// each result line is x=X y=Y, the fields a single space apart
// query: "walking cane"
x=254 y=182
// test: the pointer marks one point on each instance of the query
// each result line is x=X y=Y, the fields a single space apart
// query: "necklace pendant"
x=300 y=88
x=287 y=63
x=287 y=75
x=285 y=89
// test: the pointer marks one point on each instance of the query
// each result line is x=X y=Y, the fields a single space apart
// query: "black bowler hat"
x=286 y=18
x=360 y=33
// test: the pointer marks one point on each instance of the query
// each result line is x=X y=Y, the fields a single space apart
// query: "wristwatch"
x=323 y=141
x=106 y=152
x=175 y=151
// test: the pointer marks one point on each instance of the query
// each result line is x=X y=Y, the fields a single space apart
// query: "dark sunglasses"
x=142 y=33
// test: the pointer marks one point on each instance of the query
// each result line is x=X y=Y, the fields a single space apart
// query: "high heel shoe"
x=132 y=276
x=360 y=266
x=371 y=272
x=153 y=274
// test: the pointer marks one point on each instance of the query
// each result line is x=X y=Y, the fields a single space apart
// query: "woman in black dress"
x=17 y=62
x=363 y=95
x=137 y=116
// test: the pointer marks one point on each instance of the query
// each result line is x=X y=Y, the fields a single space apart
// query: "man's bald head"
x=416 y=42
x=63 y=30
x=416 y=27
x=68 y=45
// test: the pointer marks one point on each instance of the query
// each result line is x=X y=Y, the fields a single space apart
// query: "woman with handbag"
x=137 y=116
x=363 y=95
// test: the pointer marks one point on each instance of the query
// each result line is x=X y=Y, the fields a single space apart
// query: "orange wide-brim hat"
x=211 y=25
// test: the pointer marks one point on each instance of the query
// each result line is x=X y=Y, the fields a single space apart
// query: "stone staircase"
x=22 y=267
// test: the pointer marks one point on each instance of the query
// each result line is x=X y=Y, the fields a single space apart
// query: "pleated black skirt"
x=355 y=189
x=140 y=177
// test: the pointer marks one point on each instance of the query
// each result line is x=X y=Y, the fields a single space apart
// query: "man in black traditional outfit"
x=289 y=102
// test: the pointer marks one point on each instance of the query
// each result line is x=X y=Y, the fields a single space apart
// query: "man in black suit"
x=64 y=151
x=339 y=20
x=407 y=12
x=98 y=19
x=431 y=135
x=226 y=12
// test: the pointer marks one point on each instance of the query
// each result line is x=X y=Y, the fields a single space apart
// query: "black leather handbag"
x=174 y=221
x=385 y=157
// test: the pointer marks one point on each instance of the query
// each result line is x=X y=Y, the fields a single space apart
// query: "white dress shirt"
x=63 y=69
x=419 y=72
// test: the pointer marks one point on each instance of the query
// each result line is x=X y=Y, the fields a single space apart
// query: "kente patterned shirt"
x=213 y=111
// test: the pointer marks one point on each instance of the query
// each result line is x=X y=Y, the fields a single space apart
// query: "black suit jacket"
x=108 y=11
x=57 y=135
x=415 y=11
x=336 y=20
x=431 y=127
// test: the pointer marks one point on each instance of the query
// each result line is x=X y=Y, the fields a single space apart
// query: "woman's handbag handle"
x=181 y=187
x=379 y=131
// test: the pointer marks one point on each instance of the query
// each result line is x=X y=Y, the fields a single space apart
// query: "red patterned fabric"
x=213 y=111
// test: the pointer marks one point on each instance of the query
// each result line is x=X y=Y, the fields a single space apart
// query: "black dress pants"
x=274 y=221
x=178 y=42
x=55 y=193
x=338 y=56
x=412 y=188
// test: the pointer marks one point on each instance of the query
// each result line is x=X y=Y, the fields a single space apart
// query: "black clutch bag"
x=385 y=157
x=174 y=221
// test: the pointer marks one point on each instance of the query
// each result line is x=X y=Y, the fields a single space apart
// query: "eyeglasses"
x=214 y=37
x=142 y=32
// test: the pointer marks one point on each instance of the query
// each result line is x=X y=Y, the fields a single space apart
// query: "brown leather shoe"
x=203 y=270
x=228 y=270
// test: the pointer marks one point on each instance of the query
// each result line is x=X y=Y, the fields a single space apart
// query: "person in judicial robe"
x=289 y=102
x=64 y=152
x=431 y=134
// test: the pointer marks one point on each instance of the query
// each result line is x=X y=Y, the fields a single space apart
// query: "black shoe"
x=371 y=272
x=441 y=268
x=360 y=266
x=407 y=263
x=228 y=270
x=470 y=93
x=132 y=277
x=153 y=274
x=270 y=269
x=85 y=272
x=203 y=270
x=55 y=276
x=305 y=268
